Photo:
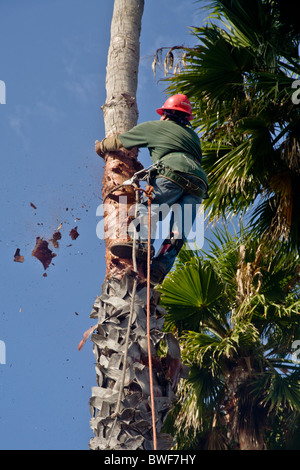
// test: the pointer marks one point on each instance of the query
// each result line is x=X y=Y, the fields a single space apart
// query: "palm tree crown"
x=240 y=79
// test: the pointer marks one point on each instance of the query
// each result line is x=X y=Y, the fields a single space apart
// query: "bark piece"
x=74 y=233
x=86 y=335
x=17 y=257
x=55 y=238
x=43 y=253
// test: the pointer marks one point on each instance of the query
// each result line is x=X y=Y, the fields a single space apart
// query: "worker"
x=178 y=180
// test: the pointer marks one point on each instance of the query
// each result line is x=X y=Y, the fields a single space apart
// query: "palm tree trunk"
x=126 y=424
x=133 y=428
x=121 y=114
x=245 y=427
x=247 y=442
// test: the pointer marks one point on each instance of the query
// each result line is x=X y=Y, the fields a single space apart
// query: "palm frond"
x=279 y=390
x=239 y=80
x=190 y=294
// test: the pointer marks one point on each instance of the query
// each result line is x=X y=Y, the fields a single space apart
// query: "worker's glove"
x=99 y=148
x=109 y=144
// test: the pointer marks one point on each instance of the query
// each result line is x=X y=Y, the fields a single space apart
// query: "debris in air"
x=41 y=250
x=55 y=238
x=17 y=257
x=86 y=336
x=74 y=234
x=43 y=253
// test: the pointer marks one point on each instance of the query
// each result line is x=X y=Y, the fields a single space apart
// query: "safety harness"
x=157 y=170
x=186 y=184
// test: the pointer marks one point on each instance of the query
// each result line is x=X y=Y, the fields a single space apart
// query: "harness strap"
x=184 y=183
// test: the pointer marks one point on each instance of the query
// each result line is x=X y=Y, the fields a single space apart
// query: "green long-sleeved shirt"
x=177 y=147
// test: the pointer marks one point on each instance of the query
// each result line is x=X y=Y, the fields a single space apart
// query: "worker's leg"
x=183 y=217
x=165 y=194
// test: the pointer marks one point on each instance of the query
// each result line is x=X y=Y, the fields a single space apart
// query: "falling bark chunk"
x=32 y=205
x=86 y=336
x=55 y=237
x=42 y=252
x=74 y=234
x=17 y=257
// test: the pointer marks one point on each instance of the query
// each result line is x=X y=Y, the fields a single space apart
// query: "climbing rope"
x=150 y=197
x=148 y=192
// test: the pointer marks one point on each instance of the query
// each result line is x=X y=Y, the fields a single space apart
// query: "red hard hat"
x=177 y=103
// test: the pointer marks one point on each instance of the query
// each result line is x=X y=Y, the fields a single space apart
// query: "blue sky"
x=53 y=62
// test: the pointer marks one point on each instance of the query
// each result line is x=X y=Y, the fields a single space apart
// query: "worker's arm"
x=135 y=137
x=109 y=144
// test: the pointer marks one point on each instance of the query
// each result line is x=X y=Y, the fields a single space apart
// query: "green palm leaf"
x=191 y=293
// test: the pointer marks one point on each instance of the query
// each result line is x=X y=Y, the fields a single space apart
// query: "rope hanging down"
x=148 y=193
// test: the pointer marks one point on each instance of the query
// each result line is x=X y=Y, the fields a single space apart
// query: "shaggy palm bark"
x=245 y=425
x=127 y=424
x=133 y=428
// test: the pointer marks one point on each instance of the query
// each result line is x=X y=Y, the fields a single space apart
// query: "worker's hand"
x=98 y=148
x=109 y=144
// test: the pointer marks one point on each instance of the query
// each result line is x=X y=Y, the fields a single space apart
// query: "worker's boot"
x=125 y=250
x=157 y=272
